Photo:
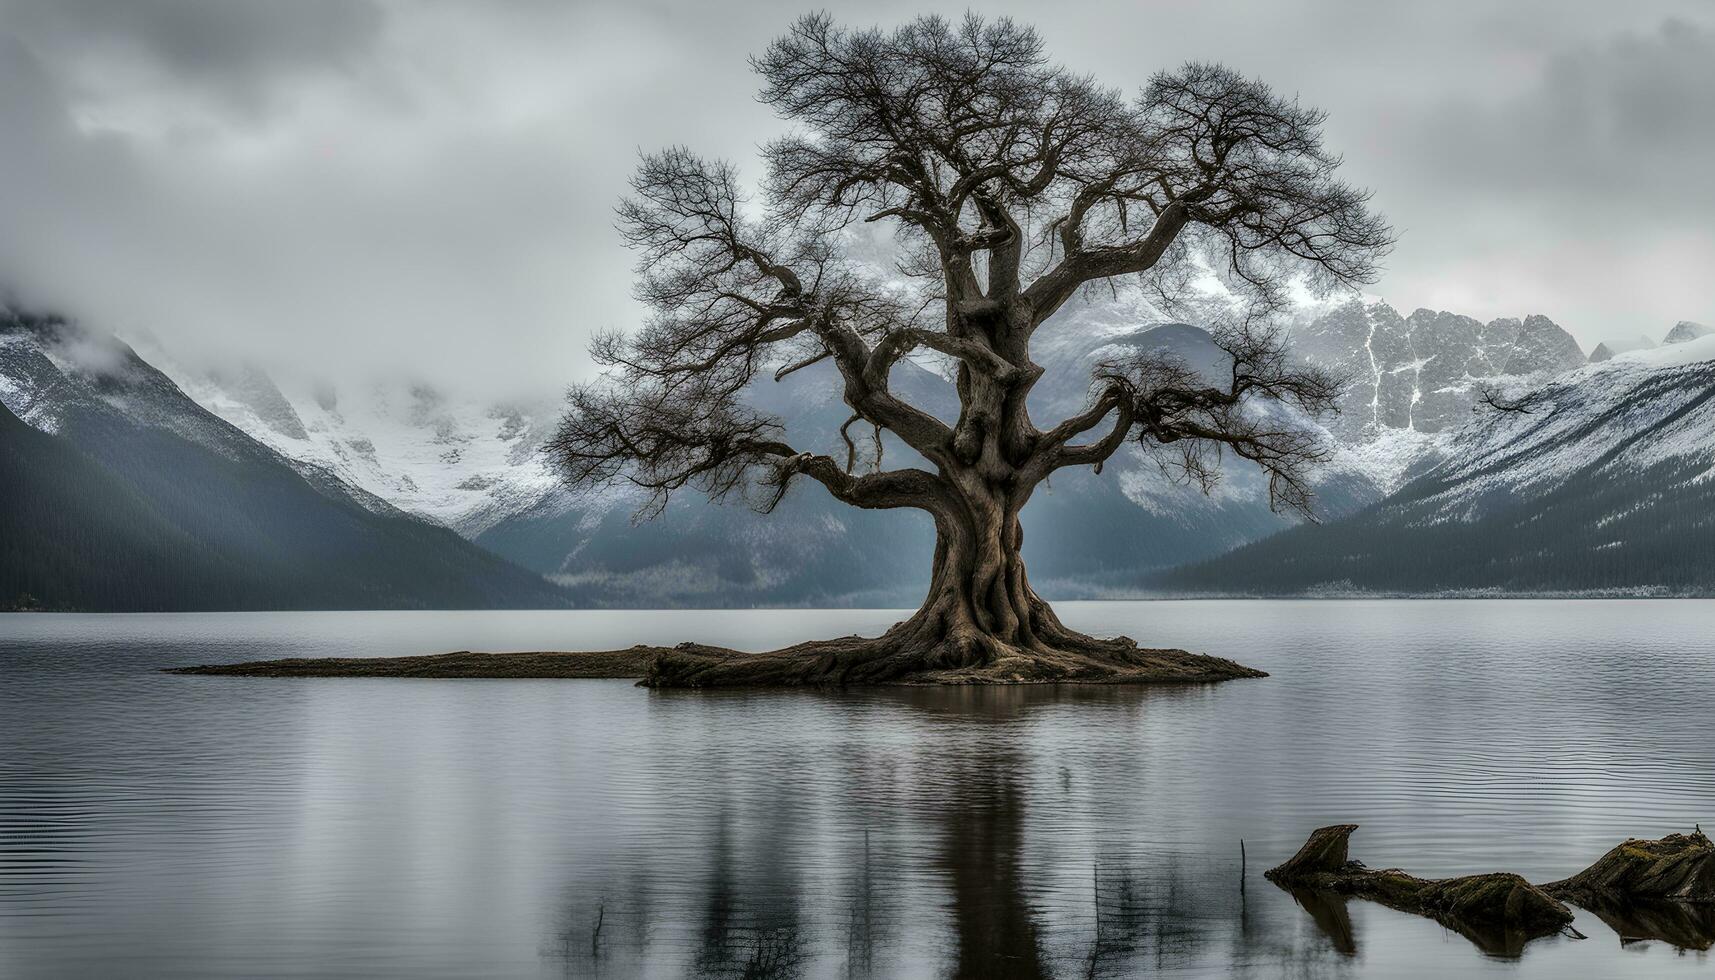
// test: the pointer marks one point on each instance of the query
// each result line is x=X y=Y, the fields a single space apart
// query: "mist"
x=353 y=187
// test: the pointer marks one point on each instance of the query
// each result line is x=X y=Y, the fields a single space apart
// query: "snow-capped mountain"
x=1417 y=383
x=1686 y=330
x=1424 y=372
x=1601 y=480
x=1635 y=414
x=462 y=462
x=179 y=509
x=1085 y=535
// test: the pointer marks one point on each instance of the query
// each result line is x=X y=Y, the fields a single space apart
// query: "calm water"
x=162 y=826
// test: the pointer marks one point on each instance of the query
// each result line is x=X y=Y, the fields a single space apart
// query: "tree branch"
x=1011 y=183
x=1187 y=420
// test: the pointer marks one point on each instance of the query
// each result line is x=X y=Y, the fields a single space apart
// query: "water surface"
x=155 y=825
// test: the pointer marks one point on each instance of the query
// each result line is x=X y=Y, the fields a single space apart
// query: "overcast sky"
x=430 y=184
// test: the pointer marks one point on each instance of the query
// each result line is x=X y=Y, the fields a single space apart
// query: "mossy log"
x=1500 y=912
x=1651 y=889
x=1676 y=868
x=1643 y=889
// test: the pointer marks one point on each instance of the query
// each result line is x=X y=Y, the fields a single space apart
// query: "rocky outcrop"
x=1426 y=371
x=1600 y=354
x=1541 y=346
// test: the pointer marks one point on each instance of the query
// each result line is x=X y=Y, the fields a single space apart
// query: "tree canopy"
x=1011 y=183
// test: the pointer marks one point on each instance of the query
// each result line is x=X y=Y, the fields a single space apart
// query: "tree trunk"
x=978 y=586
x=981 y=623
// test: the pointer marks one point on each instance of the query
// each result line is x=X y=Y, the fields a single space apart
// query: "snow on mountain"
x=471 y=464
x=52 y=370
x=1686 y=330
x=1426 y=371
x=186 y=511
x=462 y=462
x=1414 y=379
x=1603 y=481
x=1629 y=414
x=475 y=466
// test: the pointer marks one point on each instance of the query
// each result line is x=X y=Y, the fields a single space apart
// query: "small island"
x=696 y=665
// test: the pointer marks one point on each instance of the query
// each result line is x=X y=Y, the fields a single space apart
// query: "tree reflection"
x=994 y=930
x=751 y=926
x=933 y=850
x=865 y=918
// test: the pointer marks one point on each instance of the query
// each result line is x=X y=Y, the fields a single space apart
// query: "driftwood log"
x=1676 y=868
x=1642 y=889
x=1500 y=912
x=1651 y=889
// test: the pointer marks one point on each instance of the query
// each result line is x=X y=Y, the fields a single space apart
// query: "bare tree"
x=1011 y=184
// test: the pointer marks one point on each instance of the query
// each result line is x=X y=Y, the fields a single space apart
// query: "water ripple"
x=157 y=825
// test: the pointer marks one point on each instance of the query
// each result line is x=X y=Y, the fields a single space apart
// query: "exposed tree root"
x=1643 y=889
x=904 y=656
x=894 y=658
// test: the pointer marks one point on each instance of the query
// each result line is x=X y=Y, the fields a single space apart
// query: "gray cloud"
x=1584 y=193
x=1601 y=121
x=429 y=185
x=235 y=50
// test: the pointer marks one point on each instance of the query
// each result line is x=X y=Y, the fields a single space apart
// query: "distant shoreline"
x=1153 y=598
x=1471 y=594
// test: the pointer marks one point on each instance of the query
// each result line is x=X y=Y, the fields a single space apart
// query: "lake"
x=155 y=825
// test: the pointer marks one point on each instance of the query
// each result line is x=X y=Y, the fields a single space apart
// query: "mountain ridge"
x=402 y=448
x=1602 y=482
x=1085 y=537
x=234 y=524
